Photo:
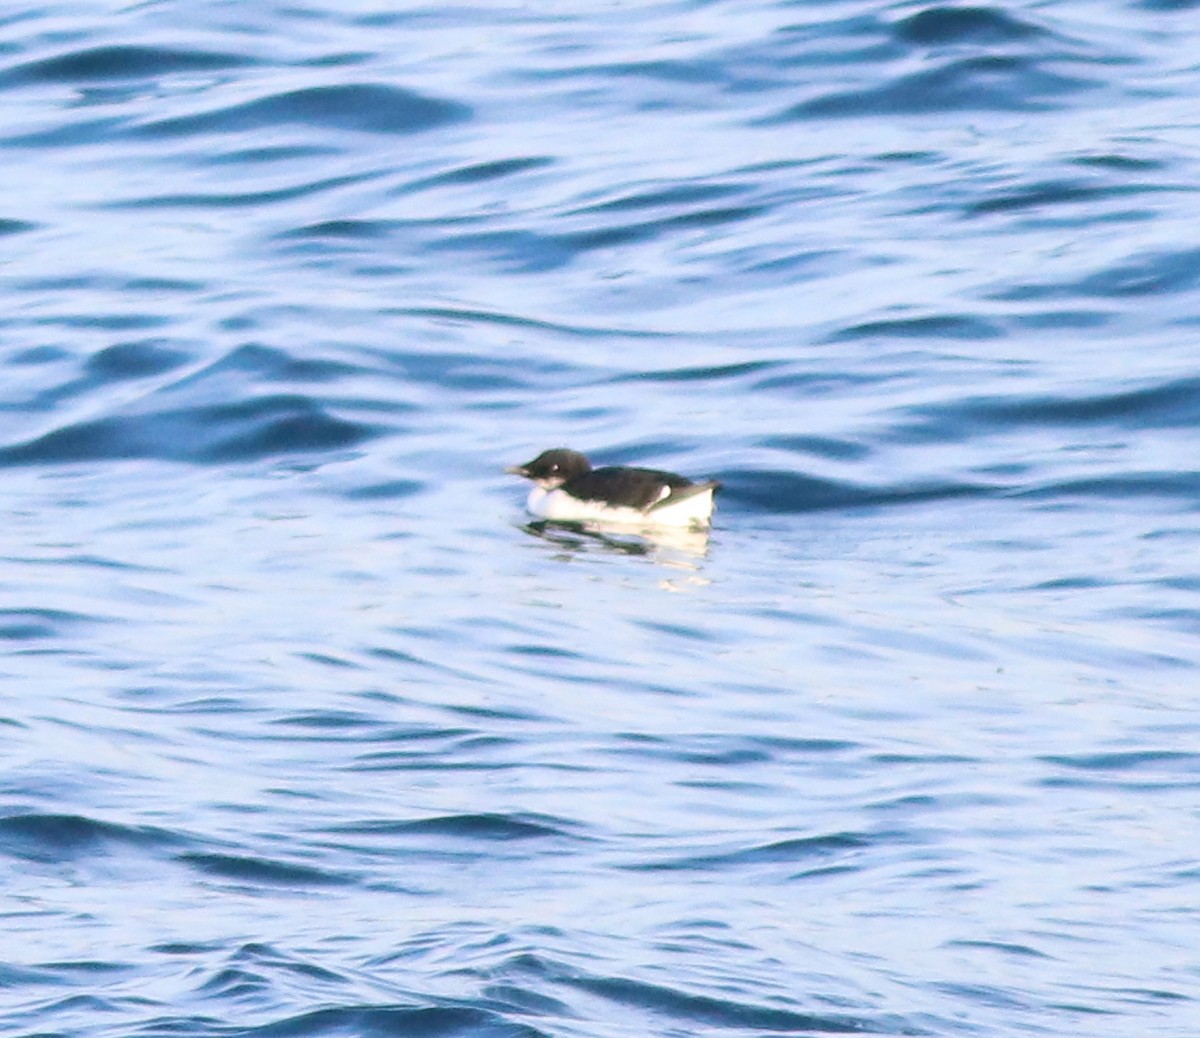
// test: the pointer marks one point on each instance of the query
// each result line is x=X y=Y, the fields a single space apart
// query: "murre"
x=568 y=489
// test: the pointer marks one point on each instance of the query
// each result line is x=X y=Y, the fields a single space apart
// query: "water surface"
x=307 y=732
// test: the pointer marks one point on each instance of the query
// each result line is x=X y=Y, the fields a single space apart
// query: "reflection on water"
x=668 y=545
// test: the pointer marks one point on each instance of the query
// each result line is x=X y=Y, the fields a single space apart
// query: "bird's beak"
x=517 y=470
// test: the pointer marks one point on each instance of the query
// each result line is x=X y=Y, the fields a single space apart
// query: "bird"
x=568 y=489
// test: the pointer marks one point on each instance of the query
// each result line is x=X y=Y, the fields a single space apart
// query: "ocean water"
x=308 y=732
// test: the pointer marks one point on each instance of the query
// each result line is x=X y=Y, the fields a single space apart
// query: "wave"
x=119 y=62
x=361 y=107
x=262 y=427
x=48 y=837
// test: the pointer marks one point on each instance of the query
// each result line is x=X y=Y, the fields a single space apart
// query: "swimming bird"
x=568 y=489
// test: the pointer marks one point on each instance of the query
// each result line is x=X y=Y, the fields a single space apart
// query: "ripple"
x=1151 y=273
x=131 y=360
x=363 y=108
x=1130 y=760
x=21 y=625
x=974 y=84
x=664 y=197
x=1061 y=192
x=784 y=492
x=120 y=62
x=481 y=172
x=684 y=1007
x=305 y=187
x=467 y=827
x=370 y=1021
x=58 y=837
x=931 y=326
x=263 y=427
x=273 y=364
x=344 y=229
x=1172 y=404
x=629 y=233
x=10 y=226
x=789 y=851
x=389 y=490
x=939 y=26
x=263 y=871
x=1006 y=949
x=701 y=373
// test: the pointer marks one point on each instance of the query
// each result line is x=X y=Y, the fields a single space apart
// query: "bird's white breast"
x=695 y=510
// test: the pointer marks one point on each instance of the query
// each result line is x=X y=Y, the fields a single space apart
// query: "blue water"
x=307 y=733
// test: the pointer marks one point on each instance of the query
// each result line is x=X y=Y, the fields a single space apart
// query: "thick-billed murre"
x=568 y=489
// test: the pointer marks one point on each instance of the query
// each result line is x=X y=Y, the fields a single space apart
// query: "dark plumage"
x=569 y=474
x=553 y=467
x=636 y=488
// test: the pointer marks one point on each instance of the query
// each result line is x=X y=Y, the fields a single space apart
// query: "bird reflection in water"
x=679 y=548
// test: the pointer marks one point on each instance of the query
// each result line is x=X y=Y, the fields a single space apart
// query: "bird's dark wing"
x=690 y=490
x=636 y=488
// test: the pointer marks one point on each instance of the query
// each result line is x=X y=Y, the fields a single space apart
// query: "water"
x=307 y=734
